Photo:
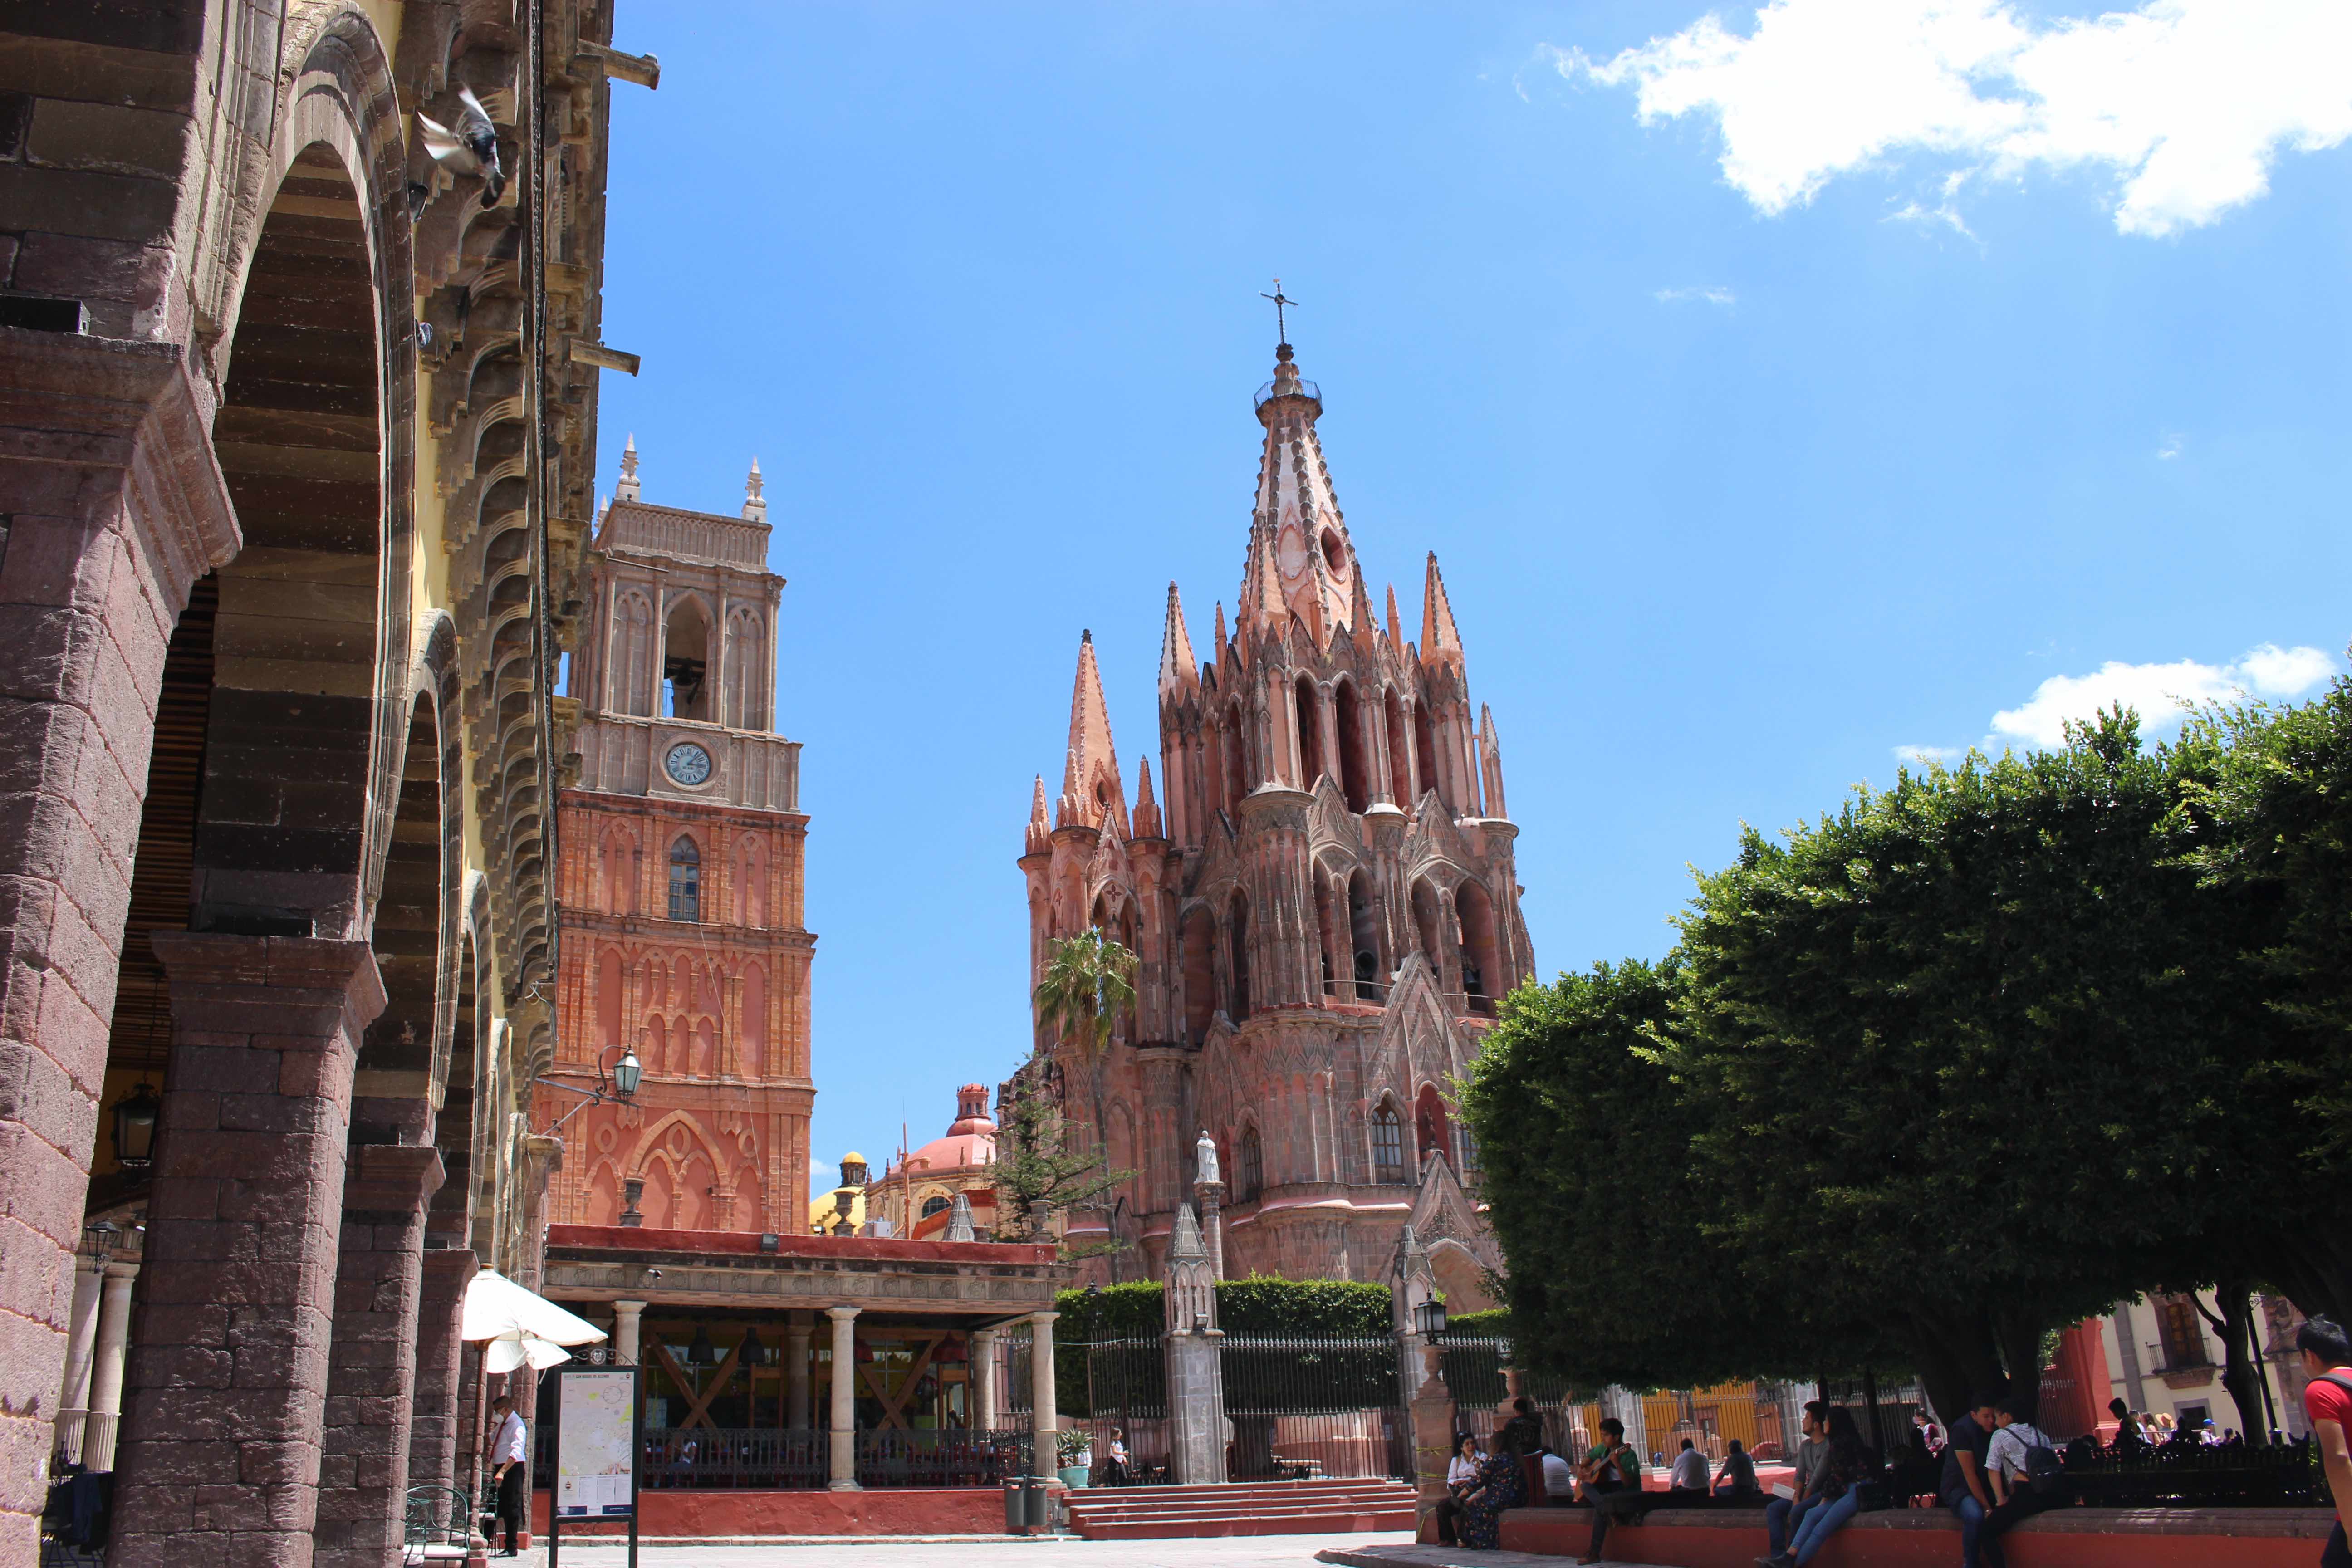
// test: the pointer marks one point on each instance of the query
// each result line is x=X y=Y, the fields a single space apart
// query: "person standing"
x=1783 y=1515
x=510 y=1469
x=1963 y=1491
x=2328 y=1400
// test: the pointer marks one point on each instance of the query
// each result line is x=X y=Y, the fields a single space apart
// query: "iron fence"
x=1305 y=1407
x=2194 y=1475
x=1123 y=1392
x=721 y=1459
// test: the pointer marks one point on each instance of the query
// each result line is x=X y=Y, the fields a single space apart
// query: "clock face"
x=688 y=762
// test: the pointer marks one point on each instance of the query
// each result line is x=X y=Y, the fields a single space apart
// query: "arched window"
x=1424 y=751
x=685 y=881
x=1387 y=1144
x=1482 y=974
x=1400 y=753
x=1353 y=768
x=1250 y=1179
x=686 y=663
x=1236 y=761
x=937 y=1204
x=1237 y=936
x=1364 y=939
x=633 y=655
x=1200 y=974
x=1311 y=733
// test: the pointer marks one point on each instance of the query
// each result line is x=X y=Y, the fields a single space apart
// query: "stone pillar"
x=226 y=1413
x=114 y=505
x=628 y=1331
x=1433 y=1440
x=983 y=1380
x=440 y=1313
x=797 y=1417
x=372 y=1366
x=98 y=1435
x=81 y=1338
x=1213 y=1224
x=1044 y=1422
x=843 y=1444
x=1627 y=1406
x=1194 y=1349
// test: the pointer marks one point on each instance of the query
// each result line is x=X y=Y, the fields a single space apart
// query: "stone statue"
x=1204 y=1159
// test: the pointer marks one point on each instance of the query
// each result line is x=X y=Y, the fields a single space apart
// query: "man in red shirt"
x=2328 y=1400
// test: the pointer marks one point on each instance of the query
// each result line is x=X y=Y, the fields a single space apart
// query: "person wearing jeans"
x=1964 y=1489
x=1783 y=1515
x=1850 y=1462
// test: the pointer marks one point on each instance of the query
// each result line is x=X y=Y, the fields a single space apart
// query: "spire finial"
x=627 y=489
x=1282 y=302
x=755 y=495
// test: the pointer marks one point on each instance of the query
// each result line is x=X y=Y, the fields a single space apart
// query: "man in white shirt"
x=509 y=1469
x=1689 y=1473
x=2014 y=1495
x=1560 y=1480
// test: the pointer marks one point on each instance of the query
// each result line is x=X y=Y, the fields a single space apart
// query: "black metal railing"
x=1124 y=1395
x=950 y=1459
x=1304 y=1407
x=723 y=1458
x=2195 y=1475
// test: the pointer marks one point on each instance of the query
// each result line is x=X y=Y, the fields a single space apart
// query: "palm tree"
x=1088 y=981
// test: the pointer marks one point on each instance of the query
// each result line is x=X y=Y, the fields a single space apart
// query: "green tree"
x=1036 y=1173
x=1950 y=1038
x=1087 y=984
x=1624 y=1266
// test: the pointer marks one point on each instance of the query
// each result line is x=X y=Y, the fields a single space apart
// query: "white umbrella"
x=498 y=1308
x=508 y=1351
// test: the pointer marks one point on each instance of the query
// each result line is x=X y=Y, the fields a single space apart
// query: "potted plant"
x=1074 y=1448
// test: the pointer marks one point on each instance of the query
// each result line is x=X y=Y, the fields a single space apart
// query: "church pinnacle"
x=755 y=497
x=627 y=489
x=1092 y=794
x=1300 y=560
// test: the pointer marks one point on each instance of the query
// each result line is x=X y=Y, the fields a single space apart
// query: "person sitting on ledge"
x=1461 y=1475
x=1850 y=1463
x=1736 y=1479
x=1688 y=1479
x=1783 y=1515
x=1559 y=1480
x=1612 y=1474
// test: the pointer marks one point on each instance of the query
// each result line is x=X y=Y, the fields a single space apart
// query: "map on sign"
x=597 y=1443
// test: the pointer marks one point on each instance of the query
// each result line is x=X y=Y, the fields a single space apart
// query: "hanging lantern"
x=701 y=1353
x=627 y=1073
x=754 y=1352
x=134 y=1128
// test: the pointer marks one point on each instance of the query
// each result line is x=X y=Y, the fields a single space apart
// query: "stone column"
x=115 y=504
x=628 y=1329
x=226 y=1414
x=99 y=1444
x=983 y=1380
x=842 y=1446
x=1433 y=1440
x=1211 y=1195
x=440 y=1313
x=372 y=1367
x=797 y=1417
x=1044 y=1422
x=81 y=1338
x=1194 y=1350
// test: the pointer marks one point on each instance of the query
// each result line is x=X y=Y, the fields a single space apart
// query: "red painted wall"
x=892 y=1511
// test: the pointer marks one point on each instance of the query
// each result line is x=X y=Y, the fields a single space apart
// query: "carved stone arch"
x=654 y=1139
x=435 y=682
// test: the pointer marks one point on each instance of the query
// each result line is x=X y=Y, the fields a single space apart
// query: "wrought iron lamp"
x=1429 y=1320
x=134 y=1128
x=627 y=1073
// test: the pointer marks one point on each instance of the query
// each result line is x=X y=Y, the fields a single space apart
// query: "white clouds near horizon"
x=1715 y=296
x=2187 y=103
x=2156 y=692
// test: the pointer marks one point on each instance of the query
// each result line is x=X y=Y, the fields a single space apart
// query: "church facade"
x=681 y=891
x=1324 y=908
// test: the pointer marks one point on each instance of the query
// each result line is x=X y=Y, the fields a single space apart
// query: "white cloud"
x=2171 y=447
x=2156 y=691
x=1922 y=755
x=1712 y=296
x=2185 y=103
x=822 y=1174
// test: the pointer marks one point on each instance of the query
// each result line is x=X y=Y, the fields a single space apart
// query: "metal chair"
x=438 y=1525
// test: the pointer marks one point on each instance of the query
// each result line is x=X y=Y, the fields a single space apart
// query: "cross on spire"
x=1281 y=301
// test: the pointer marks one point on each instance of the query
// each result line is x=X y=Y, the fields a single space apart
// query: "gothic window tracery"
x=1249 y=1177
x=633 y=655
x=1388 y=1143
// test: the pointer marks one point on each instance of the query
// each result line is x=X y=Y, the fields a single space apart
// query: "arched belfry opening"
x=1355 y=768
x=686 y=661
x=1482 y=974
x=1310 y=732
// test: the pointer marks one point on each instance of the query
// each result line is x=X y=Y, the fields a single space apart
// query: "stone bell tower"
x=681 y=905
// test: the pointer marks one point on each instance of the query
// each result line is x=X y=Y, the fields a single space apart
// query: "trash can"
x=1016 y=1509
x=1036 y=1505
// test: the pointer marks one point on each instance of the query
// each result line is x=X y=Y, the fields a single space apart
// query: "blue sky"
x=1776 y=397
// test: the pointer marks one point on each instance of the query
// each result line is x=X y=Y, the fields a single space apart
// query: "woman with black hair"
x=1461 y=1475
x=1851 y=1464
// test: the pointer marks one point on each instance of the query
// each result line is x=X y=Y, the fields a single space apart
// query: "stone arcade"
x=297 y=438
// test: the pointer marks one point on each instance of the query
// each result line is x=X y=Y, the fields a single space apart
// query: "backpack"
x=2044 y=1471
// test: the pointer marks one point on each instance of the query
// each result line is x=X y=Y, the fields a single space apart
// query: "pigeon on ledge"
x=471 y=148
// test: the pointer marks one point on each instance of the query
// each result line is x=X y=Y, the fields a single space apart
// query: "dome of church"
x=969 y=1141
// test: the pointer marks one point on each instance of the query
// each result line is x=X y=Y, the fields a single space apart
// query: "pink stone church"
x=1325 y=908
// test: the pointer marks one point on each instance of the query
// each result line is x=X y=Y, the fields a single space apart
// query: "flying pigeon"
x=471 y=148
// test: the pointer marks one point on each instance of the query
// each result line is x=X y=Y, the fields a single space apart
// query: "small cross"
x=1282 y=331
